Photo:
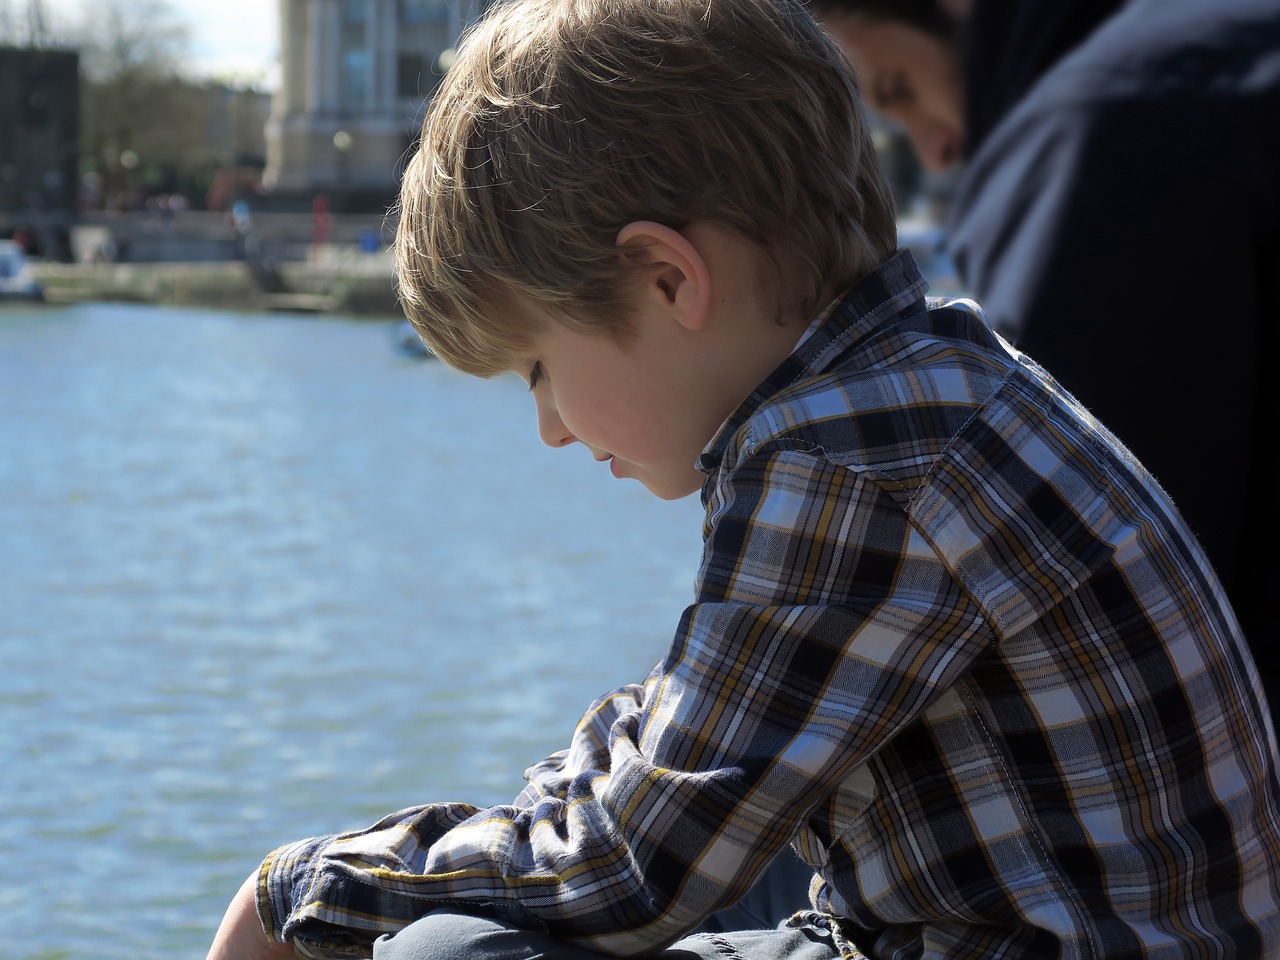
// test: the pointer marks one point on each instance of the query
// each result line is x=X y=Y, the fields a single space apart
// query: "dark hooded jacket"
x=1119 y=220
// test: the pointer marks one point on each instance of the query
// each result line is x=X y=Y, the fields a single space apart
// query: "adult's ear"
x=675 y=273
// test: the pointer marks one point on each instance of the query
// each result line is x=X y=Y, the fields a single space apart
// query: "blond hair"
x=560 y=121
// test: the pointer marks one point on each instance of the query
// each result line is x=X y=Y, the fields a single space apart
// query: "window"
x=355 y=75
x=411 y=79
x=414 y=12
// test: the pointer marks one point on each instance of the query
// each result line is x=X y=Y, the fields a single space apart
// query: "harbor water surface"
x=265 y=577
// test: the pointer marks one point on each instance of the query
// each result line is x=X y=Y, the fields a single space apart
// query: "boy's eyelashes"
x=536 y=374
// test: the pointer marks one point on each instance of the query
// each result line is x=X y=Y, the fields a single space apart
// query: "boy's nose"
x=551 y=428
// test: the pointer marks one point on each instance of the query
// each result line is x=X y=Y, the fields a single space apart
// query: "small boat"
x=16 y=279
x=408 y=341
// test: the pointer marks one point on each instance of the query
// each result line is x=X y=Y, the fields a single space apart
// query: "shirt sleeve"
x=823 y=623
x=589 y=751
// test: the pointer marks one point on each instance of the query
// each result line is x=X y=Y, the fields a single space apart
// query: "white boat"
x=409 y=342
x=16 y=279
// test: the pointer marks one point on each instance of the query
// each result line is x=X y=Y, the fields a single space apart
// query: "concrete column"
x=331 y=63
x=287 y=95
x=373 y=55
x=315 y=56
x=388 y=52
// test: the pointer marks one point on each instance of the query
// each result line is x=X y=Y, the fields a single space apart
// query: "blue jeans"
x=752 y=929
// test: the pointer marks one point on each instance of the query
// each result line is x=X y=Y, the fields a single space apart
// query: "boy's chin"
x=673 y=488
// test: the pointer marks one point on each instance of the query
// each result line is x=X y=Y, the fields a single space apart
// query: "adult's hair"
x=924 y=15
x=561 y=121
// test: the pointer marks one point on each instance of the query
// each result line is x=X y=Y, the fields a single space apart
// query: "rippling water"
x=262 y=577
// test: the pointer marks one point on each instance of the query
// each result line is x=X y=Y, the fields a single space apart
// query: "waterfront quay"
x=286 y=262
x=271 y=261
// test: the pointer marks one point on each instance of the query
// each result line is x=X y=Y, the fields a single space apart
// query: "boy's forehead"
x=517 y=319
x=519 y=314
x=526 y=321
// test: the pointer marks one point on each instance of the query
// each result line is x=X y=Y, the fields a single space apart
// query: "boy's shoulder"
x=1013 y=484
x=888 y=397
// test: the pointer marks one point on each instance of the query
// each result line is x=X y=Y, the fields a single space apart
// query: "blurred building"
x=354 y=75
x=39 y=153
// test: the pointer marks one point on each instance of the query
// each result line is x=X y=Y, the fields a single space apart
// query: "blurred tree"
x=143 y=120
x=27 y=23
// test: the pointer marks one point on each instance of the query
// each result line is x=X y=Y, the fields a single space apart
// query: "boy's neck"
x=757 y=317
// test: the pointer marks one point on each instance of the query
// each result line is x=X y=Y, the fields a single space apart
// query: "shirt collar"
x=883 y=294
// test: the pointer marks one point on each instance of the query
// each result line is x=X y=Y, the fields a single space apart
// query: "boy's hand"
x=240 y=935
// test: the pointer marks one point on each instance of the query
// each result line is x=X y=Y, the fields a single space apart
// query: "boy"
x=949 y=641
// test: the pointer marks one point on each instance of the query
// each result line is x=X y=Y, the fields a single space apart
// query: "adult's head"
x=908 y=54
x=950 y=70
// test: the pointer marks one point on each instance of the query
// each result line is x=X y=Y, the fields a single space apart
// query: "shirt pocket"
x=835 y=816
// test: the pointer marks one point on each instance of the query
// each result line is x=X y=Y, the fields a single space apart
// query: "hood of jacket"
x=1010 y=44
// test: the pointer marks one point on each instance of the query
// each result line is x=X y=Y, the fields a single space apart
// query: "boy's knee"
x=442 y=935
x=446 y=935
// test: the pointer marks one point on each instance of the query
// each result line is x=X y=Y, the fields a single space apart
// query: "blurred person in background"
x=1127 y=156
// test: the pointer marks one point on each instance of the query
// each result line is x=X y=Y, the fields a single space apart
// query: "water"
x=262 y=578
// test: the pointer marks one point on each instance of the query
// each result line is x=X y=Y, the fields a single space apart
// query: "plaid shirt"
x=949 y=640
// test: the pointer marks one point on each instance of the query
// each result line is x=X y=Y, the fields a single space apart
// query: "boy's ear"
x=674 y=271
